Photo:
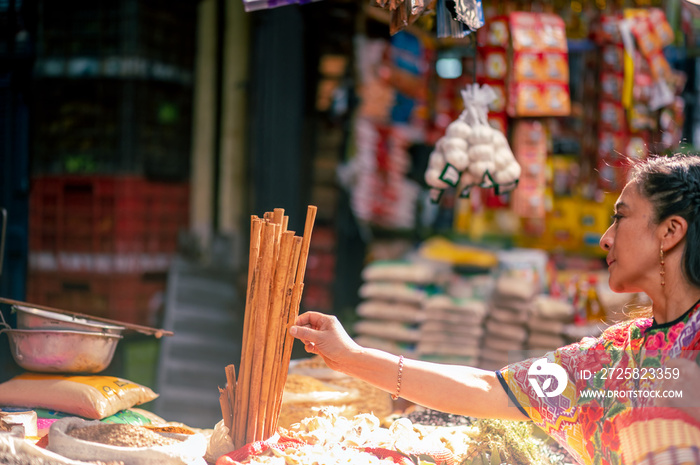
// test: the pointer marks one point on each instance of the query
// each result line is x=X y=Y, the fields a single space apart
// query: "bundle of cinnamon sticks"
x=251 y=404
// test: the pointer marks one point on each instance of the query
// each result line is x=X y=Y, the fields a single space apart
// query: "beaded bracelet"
x=398 y=379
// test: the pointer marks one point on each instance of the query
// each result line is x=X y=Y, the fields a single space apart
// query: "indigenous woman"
x=583 y=394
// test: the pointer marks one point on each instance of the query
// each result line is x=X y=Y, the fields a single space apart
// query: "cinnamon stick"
x=270 y=362
x=230 y=396
x=240 y=411
x=278 y=215
x=306 y=243
x=262 y=299
x=225 y=409
x=286 y=342
x=289 y=342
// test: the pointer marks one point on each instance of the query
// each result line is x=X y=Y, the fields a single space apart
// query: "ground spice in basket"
x=121 y=435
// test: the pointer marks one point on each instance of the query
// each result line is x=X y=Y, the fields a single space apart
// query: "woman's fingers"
x=310 y=347
x=313 y=319
x=304 y=333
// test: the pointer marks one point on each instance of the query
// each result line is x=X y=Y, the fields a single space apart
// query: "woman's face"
x=632 y=246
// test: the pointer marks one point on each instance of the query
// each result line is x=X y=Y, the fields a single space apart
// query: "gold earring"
x=663 y=268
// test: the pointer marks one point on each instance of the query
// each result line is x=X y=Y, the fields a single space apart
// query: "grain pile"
x=121 y=435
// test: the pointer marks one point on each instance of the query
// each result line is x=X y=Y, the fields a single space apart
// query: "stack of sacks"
x=547 y=324
x=506 y=330
x=452 y=330
x=393 y=294
x=53 y=396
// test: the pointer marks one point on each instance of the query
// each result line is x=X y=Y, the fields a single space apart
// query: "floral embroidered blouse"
x=607 y=375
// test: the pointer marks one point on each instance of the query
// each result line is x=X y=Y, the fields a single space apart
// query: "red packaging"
x=499 y=121
x=660 y=69
x=555 y=67
x=647 y=40
x=611 y=86
x=524 y=31
x=495 y=33
x=612 y=117
x=611 y=145
x=643 y=85
x=613 y=57
x=553 y=33
x=527 y=67
x=608 y=31
x=662 y=28
x=538 y=99
x=495 y=63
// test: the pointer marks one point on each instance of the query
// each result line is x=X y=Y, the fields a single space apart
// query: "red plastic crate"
x=106 y=214
x=130 y=298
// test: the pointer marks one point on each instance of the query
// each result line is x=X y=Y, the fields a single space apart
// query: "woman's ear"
x=673 y=231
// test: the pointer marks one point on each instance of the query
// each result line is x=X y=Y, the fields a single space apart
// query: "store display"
x=392 y=296
x=530 y=145
x=391 y=116
x=547 y=323
x=451 y=330
x=539 y=81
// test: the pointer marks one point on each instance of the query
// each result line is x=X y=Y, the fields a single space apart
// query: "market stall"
x=62 y=410
x=502 y=175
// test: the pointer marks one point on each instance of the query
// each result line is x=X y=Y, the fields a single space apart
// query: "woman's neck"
x=674 y=302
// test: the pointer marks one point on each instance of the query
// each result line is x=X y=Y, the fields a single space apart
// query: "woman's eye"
x=616 y=217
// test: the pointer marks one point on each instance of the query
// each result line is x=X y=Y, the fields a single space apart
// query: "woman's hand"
x=324 y=335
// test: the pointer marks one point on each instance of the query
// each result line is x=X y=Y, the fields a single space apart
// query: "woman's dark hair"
x=672 y=184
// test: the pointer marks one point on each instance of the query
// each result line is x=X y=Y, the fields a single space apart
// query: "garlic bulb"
x=432 y=178
x=482 y=152
x=481 y=134
x=459 y=129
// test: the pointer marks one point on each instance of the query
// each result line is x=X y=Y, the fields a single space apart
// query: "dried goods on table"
x=305 y=396
x=84 y=440
x=332 y=439
x=121 y=435
x=362 y=439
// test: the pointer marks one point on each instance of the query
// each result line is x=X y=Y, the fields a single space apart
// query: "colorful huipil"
x=607 y=376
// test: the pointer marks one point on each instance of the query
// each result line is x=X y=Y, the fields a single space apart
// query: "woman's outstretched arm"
x=454 y=389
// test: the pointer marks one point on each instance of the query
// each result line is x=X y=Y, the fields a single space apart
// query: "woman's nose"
x=605 y=241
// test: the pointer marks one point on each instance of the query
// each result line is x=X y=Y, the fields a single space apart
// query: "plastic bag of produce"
x=220 y=443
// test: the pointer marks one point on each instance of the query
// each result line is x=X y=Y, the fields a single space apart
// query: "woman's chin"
x=616 y=286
